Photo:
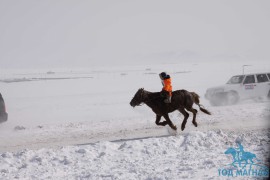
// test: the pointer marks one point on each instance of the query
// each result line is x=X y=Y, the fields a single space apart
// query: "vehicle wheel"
x=232 y=98
x=214 y=103
x=219 y=99
x=3 y=118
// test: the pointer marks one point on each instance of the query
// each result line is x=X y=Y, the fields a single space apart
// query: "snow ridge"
x=188 y=156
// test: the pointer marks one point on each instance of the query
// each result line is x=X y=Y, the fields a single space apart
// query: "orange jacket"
x=167 y=85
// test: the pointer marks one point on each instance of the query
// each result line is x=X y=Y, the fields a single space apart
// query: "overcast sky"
x=62 y=33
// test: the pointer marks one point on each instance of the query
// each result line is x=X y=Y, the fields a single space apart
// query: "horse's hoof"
x=182 y=128
x=174 y=128
x=195 y=124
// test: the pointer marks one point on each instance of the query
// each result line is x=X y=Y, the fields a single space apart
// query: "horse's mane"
x=174 y=92
x=152 y=94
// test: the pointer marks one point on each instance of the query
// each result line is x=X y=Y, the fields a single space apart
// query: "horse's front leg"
x=166 y=116
x=164 y=123
x=246 y=162
x=234 y=163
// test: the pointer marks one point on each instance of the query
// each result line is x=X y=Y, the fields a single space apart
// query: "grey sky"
x=52 y=33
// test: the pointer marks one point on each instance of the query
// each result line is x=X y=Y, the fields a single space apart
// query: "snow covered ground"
x=192 y=155
x=78 y=124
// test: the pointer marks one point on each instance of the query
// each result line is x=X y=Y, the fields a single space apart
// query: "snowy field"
x=69 y=69
x=78 y=124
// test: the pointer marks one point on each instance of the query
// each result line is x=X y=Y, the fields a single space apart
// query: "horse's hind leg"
x=166 y=116
x=164 y=123
x=186 y=115
x=194 y=111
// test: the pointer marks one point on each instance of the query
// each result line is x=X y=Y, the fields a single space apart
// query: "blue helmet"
x=163 y=75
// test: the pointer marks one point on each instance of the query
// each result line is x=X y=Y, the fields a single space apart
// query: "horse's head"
x=138 y=98
x=230 y=151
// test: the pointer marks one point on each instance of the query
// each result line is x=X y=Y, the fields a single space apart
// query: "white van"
x=240 y=87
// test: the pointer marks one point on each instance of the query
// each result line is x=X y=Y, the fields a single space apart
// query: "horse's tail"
x=196 y=99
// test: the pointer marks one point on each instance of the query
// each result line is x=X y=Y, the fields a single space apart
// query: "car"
x=3 y=112
x=240 y=87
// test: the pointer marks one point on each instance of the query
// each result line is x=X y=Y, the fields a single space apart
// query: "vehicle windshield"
x=236 y=80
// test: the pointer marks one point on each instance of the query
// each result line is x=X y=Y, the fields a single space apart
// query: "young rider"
x=167 y=86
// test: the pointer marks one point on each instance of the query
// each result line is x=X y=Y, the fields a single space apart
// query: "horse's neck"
x=151 y=94
x=147 y=96
x=150 y=97
x=150 y=104
x=234 y=154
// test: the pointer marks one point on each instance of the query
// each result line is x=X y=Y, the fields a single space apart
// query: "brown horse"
x=181 y=100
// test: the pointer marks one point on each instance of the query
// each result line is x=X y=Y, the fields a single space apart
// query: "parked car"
x=3 y=112
x=240 y=87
